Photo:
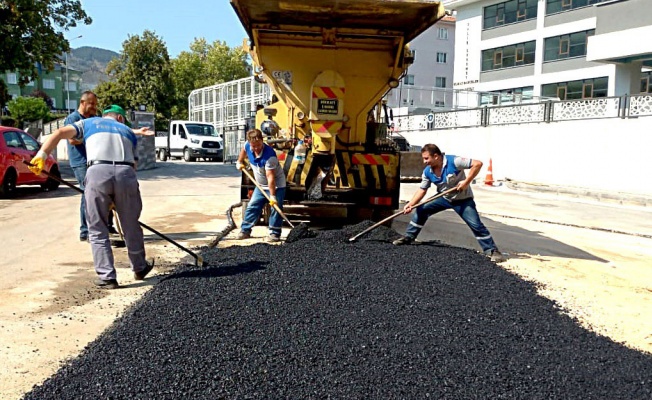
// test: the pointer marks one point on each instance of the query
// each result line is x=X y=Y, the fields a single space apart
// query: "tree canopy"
x=142 y=74
x=31 y=33
x=205 y=65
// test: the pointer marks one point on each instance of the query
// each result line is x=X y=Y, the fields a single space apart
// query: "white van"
x=190 y=140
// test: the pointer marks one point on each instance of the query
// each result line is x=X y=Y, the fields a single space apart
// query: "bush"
x=28 y=109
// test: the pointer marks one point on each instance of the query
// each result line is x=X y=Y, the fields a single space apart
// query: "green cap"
x=114 y=108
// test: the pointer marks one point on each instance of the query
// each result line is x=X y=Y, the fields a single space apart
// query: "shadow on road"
x=448 y=228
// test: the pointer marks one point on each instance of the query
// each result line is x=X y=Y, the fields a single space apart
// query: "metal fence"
x=547 y=111
x=234 y=140
x=227 y=104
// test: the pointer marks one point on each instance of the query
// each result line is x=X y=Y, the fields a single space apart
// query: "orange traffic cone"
x=489 y=180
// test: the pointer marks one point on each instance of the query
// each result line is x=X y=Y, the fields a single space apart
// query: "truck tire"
x=163 y=155
x=186 y=155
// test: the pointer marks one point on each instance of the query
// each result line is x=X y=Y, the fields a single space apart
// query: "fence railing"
x=549 y=111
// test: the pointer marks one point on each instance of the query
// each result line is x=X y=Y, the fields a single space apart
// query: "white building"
x=569 y=49
x=428 y=82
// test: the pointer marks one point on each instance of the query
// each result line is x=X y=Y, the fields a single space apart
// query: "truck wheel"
x=163 y=155
x=186 y=155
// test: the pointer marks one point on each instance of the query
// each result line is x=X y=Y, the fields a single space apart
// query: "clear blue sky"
x=176 y=22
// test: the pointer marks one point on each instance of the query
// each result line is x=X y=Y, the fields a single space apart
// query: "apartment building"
x=64 y=90
x=428 y=82
x=566 y=49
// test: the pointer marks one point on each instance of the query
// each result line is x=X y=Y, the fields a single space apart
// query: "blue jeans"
x=255 y=209
x=80 y=175
x=464 y=208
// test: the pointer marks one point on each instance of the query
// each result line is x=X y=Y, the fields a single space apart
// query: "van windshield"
x=201 y=130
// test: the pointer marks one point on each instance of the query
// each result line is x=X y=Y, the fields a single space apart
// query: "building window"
x=555 y=6
x=580 y=89
x=48 y=83
x=30 y=83
x=440 y=82
x=508 y=56
x=71 y=86
x=566 y=46
x=11 y=78
x=442 y=34
x=441 y=58
x=440 y=104
x=507 y=96
x=646 y=84
x=54 y=102
x=408 y=80
x=509 y=12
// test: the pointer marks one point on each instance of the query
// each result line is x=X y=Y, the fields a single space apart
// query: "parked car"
x=15 y=146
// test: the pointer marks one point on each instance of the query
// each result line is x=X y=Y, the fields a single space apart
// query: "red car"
x=15 y=146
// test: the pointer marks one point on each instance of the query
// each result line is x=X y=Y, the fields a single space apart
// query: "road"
x=593 y=259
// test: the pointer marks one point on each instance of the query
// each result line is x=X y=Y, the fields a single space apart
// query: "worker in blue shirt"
x=447 y=172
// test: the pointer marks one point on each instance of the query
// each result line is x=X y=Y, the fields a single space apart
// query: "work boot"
x=497 y=256
x=273 y=238
x=109 y=284
x=403 y=240
x=140 y=275
x=243 y=235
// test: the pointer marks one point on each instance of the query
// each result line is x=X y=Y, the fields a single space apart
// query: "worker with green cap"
x=110 y=179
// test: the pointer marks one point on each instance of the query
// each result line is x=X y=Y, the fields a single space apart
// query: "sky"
x=177 y=23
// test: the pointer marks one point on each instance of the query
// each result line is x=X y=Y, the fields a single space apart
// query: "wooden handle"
x=276 y=207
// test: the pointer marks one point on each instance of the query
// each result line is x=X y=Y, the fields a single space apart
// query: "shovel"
x=276 y=207
x=391 y=217
x=199 y=260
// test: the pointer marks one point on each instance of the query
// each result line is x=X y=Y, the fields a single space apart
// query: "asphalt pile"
x=326 y=318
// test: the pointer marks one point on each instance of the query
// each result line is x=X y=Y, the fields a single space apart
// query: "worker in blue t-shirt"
x=269 y=174
x=447 y=172
x=110 y=179
x=77 y=152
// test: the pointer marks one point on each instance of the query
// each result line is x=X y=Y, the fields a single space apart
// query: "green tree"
x=28 y=109
x=109 y=93
x=205 y=65
x=31 y=34
x=142 y=73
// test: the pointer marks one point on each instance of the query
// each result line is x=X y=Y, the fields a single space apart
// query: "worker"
x=269 y=174
x=446 y=172
x=110 y=179
x=77 y=153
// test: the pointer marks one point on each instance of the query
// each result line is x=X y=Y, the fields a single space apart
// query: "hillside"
x=91 y=61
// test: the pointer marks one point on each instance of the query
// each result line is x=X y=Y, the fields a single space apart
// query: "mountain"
x=91 y=61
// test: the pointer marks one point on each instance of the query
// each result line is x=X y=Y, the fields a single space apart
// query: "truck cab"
x=190 y=140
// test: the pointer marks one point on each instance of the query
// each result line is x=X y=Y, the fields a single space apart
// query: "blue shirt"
x=452 y=173
x=265 y=162
x=76 y=153
x=107 y=139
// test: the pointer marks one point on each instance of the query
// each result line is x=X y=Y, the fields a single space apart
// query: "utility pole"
x=67 y=78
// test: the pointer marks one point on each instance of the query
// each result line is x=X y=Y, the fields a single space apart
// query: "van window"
x=182 y=132
x=174 y=129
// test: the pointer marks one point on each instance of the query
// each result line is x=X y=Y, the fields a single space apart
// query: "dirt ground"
x=49 y=310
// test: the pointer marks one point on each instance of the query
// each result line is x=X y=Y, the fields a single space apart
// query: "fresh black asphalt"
x=325 y=318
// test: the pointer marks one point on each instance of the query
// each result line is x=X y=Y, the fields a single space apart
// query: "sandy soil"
x=49 y=310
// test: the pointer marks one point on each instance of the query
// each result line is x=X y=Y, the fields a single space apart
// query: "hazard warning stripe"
x=327 y=92
x=324 y=127
x=370 y=159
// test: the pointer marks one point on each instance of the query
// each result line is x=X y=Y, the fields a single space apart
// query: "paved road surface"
x=50 y=310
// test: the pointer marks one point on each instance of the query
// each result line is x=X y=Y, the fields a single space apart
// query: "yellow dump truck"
x=329 y=64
